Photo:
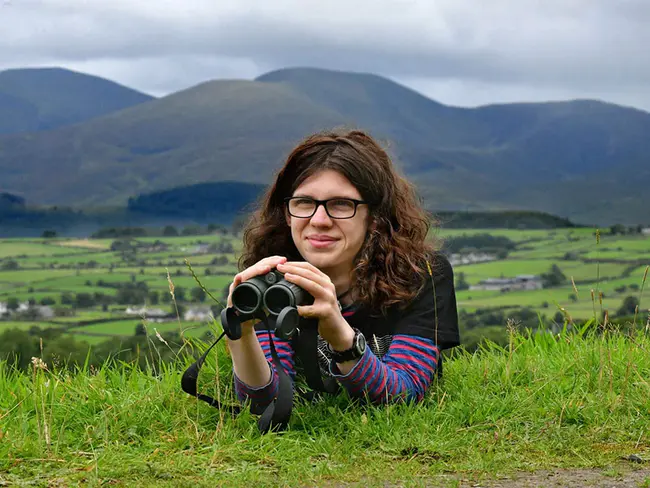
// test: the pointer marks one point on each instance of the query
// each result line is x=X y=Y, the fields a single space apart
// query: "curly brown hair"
x=391 y=264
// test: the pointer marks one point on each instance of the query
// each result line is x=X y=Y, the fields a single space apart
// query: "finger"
x=261 y=267
x=305 y=265
x=312 y=287
x=230 y=289
x=320 y=278
x=273 y=261
x=306 y=311
x=255 y=270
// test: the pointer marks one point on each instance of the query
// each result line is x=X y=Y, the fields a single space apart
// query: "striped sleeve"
x=403 y=374
x=262 y=396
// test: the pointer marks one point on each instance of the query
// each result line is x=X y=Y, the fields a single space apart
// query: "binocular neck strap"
x=275 y=416
x=190 y=378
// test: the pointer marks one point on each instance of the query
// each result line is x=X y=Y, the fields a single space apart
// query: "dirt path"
x=615 y=477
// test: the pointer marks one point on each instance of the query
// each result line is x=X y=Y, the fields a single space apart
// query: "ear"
x=287 y=217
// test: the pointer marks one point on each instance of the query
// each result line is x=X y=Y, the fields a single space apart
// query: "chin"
x=320 y=259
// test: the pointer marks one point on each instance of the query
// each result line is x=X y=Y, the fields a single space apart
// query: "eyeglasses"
x=336 y=208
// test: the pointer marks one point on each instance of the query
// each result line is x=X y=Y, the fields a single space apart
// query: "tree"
x=617 y=229
x=179 y=292
x=48 y=234
x=84 y=300
x=170 y=231
x=192 y=230
x=197 y=294
x=461 y=282
x=140 y=329
x=12 y=304
x=9 y=265
x=554 y=277
x=629 y=306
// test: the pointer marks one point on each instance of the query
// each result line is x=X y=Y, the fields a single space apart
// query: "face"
x=327 y=243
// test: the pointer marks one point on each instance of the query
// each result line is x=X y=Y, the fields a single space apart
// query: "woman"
x=343 y=225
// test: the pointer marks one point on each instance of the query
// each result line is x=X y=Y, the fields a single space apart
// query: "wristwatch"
x=357 y=350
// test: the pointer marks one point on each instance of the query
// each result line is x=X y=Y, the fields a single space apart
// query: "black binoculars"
x=266 y=293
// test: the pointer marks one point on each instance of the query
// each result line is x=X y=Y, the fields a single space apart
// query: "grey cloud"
x=556 y=46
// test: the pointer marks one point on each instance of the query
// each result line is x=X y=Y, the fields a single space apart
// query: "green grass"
x=537 y=251
x=508 y=268
x=40 y=275
x=24 y=325
x=515 y=235
x=539 y=403
x=14 y=248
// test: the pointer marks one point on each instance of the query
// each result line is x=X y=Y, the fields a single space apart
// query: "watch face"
x=361 y=344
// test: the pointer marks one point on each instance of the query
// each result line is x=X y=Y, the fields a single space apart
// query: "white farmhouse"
x=519 y=282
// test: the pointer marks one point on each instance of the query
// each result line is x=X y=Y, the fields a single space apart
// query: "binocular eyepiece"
x=270 y=292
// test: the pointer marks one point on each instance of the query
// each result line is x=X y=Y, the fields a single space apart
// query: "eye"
x=342 y=204
x=304 y=202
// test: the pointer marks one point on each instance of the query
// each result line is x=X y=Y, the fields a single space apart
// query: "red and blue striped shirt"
x=404 y=373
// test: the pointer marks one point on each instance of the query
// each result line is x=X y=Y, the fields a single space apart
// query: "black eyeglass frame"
x=324 y=204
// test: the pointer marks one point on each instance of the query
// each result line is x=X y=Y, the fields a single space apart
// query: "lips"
x=321 y=241
x=321 y=238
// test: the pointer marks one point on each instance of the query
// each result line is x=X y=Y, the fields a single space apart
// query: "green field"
x=565 y=410
x=48 y=269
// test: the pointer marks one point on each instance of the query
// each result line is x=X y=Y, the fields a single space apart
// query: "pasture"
x=90 y=284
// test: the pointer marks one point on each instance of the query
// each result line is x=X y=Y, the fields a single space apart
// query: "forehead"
x=327 y=184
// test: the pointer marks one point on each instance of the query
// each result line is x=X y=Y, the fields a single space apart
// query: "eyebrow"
x=304 y=195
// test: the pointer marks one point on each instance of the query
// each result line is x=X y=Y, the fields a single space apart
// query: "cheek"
x=356 y=237
x=296 y=227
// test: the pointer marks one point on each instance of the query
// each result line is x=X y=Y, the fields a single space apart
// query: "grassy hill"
x=585 y=160
x=36 y=99
x=564 y=410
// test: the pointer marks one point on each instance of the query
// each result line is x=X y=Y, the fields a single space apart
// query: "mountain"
x=582 y=159
x=219 y=130
x=35 y=99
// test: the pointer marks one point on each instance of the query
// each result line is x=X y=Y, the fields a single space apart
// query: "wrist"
x=343 y=341
x=352 y=351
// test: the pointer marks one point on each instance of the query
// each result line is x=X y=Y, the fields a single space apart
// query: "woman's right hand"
x=260 y=268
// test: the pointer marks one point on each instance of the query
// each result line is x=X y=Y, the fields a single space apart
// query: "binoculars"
x=266 y=293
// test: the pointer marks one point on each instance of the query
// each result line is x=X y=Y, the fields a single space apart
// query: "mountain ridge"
x=527 y=156
x=39 y=99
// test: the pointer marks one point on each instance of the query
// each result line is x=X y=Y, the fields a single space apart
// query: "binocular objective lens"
x=246 y=299
x=278 y=297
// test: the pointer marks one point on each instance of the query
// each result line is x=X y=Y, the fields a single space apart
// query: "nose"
x=321 y=217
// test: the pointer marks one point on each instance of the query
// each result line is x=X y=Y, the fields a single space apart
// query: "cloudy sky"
x=459 y=52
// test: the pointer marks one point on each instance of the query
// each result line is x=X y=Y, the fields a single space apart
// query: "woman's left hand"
x=331 y=325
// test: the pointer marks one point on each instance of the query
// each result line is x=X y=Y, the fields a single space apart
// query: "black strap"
x=275 y=416
x=306 y=348
x=190 y=378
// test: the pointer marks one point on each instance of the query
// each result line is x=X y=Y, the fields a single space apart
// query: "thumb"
x=305 y=311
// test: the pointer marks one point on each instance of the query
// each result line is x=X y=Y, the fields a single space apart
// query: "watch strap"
x=355 y=352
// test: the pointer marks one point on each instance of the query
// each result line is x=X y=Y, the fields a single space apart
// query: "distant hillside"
x=36 y=99
x=201 y=201
x=584 y=160
x=217 y=131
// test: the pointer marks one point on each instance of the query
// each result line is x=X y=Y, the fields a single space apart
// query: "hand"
x=331 y=325
x=260 y=268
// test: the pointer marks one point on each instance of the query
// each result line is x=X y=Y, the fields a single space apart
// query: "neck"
x=341 y=282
